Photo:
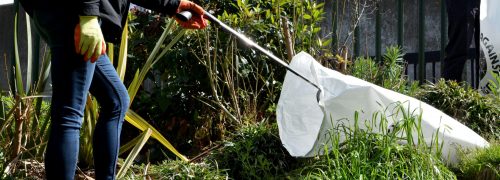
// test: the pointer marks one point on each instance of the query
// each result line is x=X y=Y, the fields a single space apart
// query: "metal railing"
x=422 y=58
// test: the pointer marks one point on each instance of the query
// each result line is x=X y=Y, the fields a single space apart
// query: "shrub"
x=480 y=113
x=389 y=73
x=481 y=164
x=256 y=152
x=365 y=68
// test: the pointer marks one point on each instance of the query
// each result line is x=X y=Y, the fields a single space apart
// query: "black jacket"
x=113 y=13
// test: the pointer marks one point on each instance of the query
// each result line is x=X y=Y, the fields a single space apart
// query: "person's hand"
x=197 y=21
x=89 y=40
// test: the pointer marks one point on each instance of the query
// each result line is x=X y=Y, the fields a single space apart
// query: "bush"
x=482 y=164
x=210 y=83
x=480 y=113
x=389 y=73
x=255 y=153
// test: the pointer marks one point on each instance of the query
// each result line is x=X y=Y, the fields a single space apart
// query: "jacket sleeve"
x=89 y=8
x=168 y=7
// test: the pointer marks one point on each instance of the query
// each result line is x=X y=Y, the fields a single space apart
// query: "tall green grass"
x=391 y=153
x=186 y=170
x=371 y=149
x=482 y=164
x=256 y=153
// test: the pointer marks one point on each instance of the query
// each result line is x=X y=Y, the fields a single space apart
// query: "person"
x=77 y=32
x=463 y=25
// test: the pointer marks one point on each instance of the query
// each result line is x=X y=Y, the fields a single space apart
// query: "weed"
x=481 y=164
x=391 y=153
x=365 y=68
x=390 y=73
x=186 y=170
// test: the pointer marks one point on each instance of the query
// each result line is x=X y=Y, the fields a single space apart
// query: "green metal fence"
x=422 y=58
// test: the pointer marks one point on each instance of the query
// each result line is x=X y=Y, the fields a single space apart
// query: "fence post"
x=400 y=23
x=421 y=42
x=335 y=9
x=378 y=34
x=443 y=34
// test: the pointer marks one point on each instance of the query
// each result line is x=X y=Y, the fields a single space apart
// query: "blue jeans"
x=72 y=80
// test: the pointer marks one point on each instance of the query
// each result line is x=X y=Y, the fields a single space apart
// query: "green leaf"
x=124 y=148
x=137 y=148
x=122 y=57
x=316 y=29
x=327 y=42
x=111 y=52
x=30 y=55
x=44 y=76
x=176 y=39
x=18 y=75
x=149 y=62
x=134 y=86
x=307 y=16
x=137 y=121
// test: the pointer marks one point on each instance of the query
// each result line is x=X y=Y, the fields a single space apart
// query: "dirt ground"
x=34 y=170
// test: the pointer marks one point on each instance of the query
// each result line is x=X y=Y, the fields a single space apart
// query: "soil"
x=35 y=170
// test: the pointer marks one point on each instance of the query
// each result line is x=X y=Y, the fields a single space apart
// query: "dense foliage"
x=481 y=164
x=480 y=113
x=211 y=93
x=378 y=155
x=255 y=152
x=210 y=84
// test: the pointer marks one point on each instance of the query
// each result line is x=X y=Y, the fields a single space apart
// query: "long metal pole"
x=256 y=46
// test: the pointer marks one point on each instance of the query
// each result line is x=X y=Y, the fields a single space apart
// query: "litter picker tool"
x=186 y=15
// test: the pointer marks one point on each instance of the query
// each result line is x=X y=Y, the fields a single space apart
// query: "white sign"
x=2 y=2
x=490 y=42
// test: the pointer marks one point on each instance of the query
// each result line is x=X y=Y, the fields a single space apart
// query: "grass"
x=481 y=164
x=255 y=152
x=186 y=170
x=368 y=155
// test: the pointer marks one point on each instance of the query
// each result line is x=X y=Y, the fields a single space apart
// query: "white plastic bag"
x=490 y=41
x=304 y=123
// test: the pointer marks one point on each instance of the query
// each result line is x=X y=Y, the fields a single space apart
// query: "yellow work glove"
x=89 y=40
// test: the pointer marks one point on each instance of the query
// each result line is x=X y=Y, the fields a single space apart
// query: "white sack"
x=490 y=41
x=304 y=123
